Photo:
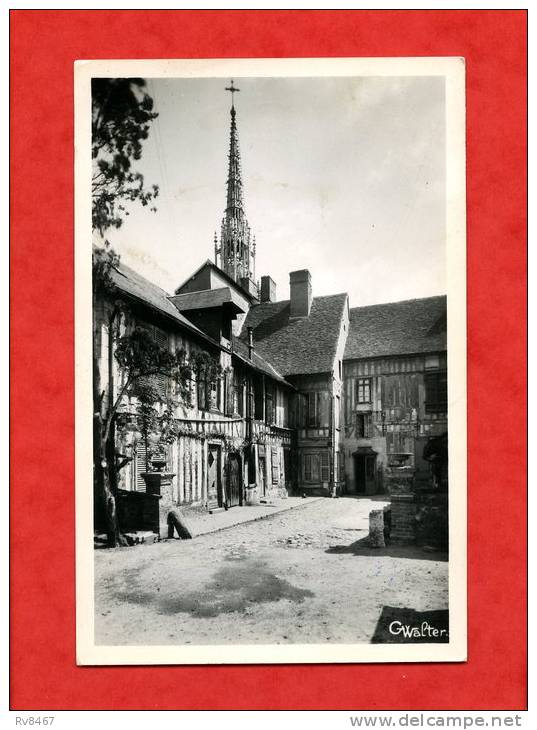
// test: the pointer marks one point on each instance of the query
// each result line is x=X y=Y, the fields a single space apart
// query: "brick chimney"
x=268 y=289
x=300 y=286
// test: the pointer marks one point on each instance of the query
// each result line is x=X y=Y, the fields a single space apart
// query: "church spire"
x=237 y=250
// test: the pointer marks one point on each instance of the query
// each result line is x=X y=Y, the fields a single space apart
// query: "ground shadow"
x=407 y=626
x=232 y=588
x=411 y=552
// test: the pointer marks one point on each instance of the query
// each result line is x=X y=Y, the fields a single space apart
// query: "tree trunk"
x=105 y=479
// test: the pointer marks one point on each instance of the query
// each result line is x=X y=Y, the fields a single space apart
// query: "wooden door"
x=234 y=480
x=214 y=483
x=359 y=474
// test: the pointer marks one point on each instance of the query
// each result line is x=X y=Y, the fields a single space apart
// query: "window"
x=363 y=390
x=229 y=394
x=161 y=382
x=316 y=467
x=436 y=392
x=363 y=425
x=238 y=398
x=258 y=399
x=316 y=409
x=208 y=393
x=313 y=410
x=203 y=395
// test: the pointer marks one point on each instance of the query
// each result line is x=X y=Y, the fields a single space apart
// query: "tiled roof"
x=399 y=328
x=130 y=282
x=206 y=299
x=135 y=285
x=240 y=349
x=300 y=346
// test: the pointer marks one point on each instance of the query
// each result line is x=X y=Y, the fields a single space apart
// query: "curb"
x=256 y=519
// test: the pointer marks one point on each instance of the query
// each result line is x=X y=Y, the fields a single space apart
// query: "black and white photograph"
x=270 y=358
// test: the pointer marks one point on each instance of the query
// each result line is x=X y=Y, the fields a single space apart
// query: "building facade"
x=395 y=390
x=311 y=397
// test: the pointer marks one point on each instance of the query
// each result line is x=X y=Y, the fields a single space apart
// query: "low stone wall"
x=403 y=527
x=399 y=482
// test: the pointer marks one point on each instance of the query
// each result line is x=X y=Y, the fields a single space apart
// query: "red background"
x=44 y=45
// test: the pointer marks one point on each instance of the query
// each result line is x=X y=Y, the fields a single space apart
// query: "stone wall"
x=400 y=483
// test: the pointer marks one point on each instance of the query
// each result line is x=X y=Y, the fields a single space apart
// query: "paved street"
x=302 y=576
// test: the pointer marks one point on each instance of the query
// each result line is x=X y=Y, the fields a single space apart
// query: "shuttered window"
x=325 y=466
x=160 y=338
x=316 y=467
x=275 y=466
x=139 y=467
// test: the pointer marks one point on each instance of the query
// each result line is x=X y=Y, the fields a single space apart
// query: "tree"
x=140 y=361
x=122 y=112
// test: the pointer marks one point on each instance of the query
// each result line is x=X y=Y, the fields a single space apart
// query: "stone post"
x=376 y=528
x=159 y=484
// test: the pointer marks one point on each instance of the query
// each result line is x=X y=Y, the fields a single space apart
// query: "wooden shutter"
x=313 y=409
x=324 y=409
x=139 y=466
x=325 y=466
x=307 y=467
x=275 y=466
x=228 y=394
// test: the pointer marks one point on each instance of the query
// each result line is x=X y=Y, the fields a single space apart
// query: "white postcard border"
x=453 y=69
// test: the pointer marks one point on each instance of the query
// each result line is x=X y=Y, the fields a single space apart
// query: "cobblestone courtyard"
x=302 y=576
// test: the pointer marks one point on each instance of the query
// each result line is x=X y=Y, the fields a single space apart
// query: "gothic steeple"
x=237 y=247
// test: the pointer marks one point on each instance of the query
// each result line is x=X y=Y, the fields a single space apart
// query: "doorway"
x=234 y=480
x=365 y=473
x=214 y=479
x=262 y=476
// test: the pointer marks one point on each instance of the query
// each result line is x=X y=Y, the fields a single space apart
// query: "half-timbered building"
x=313 y=397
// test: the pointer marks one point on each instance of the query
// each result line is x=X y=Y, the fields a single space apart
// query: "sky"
x=344 y=176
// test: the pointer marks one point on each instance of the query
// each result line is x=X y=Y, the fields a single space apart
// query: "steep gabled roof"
x=130 y=282
x=228 y=279
x=141 y=289
x=399 y=328
x=302 y=346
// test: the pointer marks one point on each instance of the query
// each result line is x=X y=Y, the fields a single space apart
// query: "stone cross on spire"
x=237 y=250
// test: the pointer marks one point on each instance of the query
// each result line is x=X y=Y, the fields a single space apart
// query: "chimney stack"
x=300 y=286
x=250 y=341
x=268 y=289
